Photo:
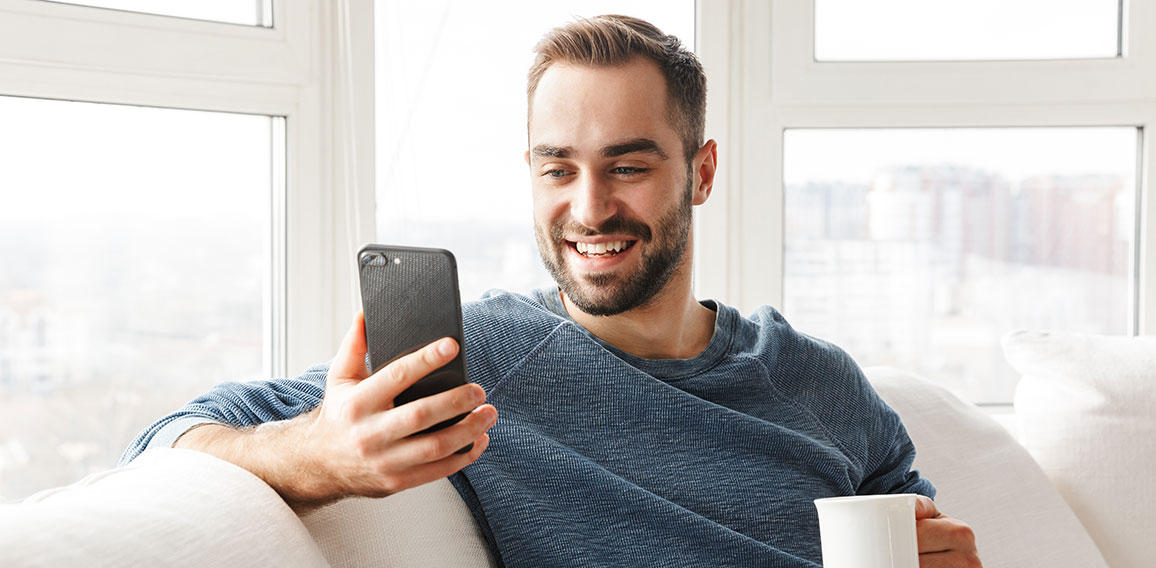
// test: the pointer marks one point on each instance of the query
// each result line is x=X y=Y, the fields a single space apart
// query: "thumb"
x=925 y=508
x=349 y=364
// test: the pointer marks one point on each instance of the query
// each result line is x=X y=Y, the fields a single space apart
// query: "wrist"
x=283 y=454
x=293 y=463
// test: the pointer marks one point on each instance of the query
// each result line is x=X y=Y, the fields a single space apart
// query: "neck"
x=671 y=325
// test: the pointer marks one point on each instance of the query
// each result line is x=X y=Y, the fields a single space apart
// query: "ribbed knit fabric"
x=600 y=458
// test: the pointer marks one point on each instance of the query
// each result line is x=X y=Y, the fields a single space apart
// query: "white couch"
x=1086 y=410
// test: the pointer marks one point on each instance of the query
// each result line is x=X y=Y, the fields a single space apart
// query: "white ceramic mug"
x=868 y=531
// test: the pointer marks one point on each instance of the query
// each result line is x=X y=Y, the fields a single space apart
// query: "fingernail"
x=446 y=347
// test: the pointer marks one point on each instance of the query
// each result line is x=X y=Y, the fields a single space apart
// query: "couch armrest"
x=986 y=478
x=169 y=507
x=427 y=526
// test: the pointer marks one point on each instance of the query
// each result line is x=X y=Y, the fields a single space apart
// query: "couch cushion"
x=158 y=511
x=984 y=477
x=427 y=526
x=1087 y=412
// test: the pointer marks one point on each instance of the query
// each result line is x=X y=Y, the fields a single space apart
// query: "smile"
x=601 y=250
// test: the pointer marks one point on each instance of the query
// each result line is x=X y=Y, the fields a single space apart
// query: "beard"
x=610 y=293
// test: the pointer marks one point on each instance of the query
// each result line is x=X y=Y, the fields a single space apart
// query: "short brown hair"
x=614 y=40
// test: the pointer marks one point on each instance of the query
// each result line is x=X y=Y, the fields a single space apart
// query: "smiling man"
x=614 y=181
x=639 y=426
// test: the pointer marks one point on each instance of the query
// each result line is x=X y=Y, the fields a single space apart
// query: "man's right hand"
x=356 y=442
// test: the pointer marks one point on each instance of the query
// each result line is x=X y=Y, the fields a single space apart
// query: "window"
x=914 y=30
x=248 y=12
x=919 y=248
x=158 y=197
x=914 y=209
x=451 y=109
x=136 y=273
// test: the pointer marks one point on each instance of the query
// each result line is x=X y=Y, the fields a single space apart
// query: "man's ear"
x=705 y=164
x=527 y=157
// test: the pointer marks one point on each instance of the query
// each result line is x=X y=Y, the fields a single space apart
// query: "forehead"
x=589 y=107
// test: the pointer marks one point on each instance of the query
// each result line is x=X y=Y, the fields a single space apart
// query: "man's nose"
x=593 y=203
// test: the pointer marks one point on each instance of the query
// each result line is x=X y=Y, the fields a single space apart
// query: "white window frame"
x=308 y=68
x=763 y=79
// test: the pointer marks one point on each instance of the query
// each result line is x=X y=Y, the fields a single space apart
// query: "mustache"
x=615 y=225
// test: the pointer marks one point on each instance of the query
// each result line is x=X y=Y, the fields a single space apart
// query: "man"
x=639 y=425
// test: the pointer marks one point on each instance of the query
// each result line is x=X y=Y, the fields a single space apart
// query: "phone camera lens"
x=373 y=259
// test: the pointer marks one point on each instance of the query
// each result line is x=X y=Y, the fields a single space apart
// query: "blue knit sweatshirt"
x=601 y=458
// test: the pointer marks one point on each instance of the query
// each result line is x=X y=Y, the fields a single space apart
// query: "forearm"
x=276 y=452
x=238 y=404
x=355 y=442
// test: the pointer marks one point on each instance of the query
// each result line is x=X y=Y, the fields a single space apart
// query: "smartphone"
x=410 y=298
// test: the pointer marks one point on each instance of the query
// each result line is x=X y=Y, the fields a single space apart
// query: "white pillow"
x=984 y=477
x=427 y=526
x=167 y=508
x=1087 y=413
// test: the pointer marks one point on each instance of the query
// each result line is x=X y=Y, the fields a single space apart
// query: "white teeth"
x=600 y=248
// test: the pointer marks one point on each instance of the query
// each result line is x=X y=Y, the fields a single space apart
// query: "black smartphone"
x=410 y=298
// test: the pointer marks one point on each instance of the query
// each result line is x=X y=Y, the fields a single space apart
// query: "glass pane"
x=244 y=12
x=446 y=80
x=920 y=30
x=133 y=242
x=920 y=248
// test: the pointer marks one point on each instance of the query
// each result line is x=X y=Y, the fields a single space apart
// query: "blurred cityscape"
x=926 y=267
x=110 y=325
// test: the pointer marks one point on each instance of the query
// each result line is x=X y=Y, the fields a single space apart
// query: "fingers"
x=434 y=446
x=383 y=386
x=925 y=508
x=409 y=419
x=434 y=471
x=953 y=559
x=428 y=457
x=943 y=541
x=944 y=535
x=390 y=431
x=349 y=364
x=438 y=445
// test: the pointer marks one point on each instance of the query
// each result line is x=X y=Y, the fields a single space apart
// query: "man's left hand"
x=943 y=541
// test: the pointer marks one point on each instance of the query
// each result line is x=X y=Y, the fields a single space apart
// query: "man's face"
x=611 y=185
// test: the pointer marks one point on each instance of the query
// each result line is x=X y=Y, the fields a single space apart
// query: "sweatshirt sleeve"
x=236 y=404
x=828 y=382
x=891 y=468
x=875 y=434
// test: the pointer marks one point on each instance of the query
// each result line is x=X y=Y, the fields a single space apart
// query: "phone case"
x=410 y=297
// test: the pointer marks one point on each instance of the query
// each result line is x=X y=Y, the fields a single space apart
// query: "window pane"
x=920 y=248
x=917 y=30
x=451 y=112
x=134 y=243
x=244 y=12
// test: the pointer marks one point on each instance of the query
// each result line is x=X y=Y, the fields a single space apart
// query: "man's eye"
x=556 y=173
x=627 y=170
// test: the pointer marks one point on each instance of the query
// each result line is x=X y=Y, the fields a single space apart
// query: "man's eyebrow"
x=548 y=151
x=645 y=145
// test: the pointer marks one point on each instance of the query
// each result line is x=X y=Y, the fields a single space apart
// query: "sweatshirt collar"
x=667 y=369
